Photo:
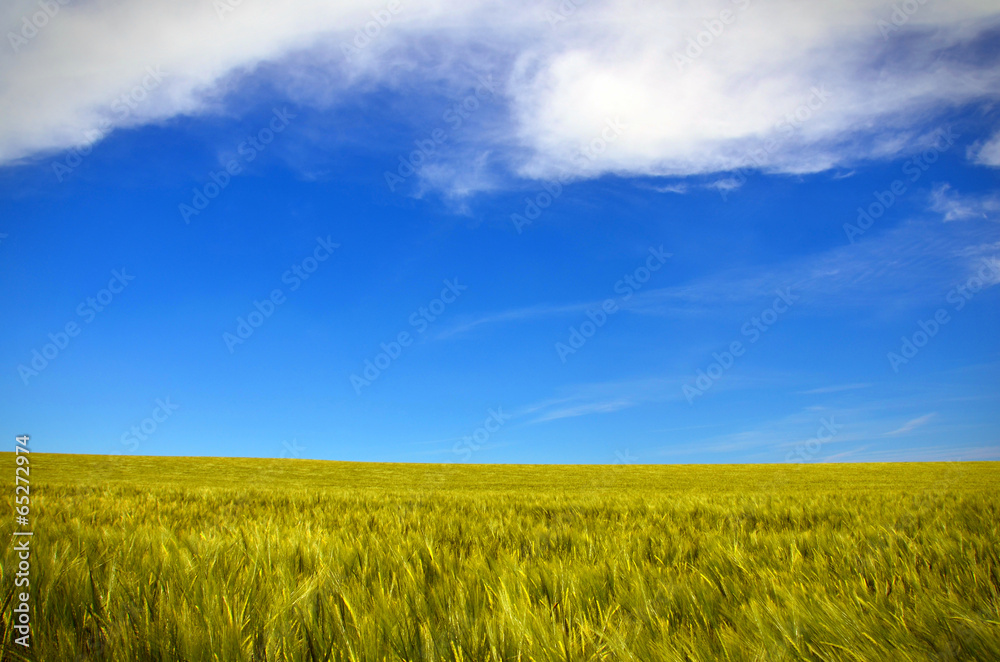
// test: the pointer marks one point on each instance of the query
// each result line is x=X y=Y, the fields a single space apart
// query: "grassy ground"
x=225 y=559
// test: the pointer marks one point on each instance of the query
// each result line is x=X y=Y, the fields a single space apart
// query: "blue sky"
x=547 y=235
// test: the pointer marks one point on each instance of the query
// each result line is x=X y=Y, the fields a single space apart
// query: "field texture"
x=140 y=559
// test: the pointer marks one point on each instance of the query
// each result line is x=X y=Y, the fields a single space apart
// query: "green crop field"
x=138 y=559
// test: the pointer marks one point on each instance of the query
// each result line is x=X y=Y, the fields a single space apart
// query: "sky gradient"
x=556 y=233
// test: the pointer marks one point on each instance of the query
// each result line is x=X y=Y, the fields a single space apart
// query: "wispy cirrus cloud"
x=909 y=265
x=601 y=398
x=834 y=389
x=585 y=409
x=849 y=428
x=927 y=454
x=513 y=315
x=912 y=424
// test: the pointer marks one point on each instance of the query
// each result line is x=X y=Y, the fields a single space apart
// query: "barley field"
x=141 y=559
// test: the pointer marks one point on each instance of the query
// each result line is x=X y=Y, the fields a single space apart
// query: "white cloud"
x=727 y=184
x=733 y=104
x=987 y=153
x=954 y=207
x=679 y=189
